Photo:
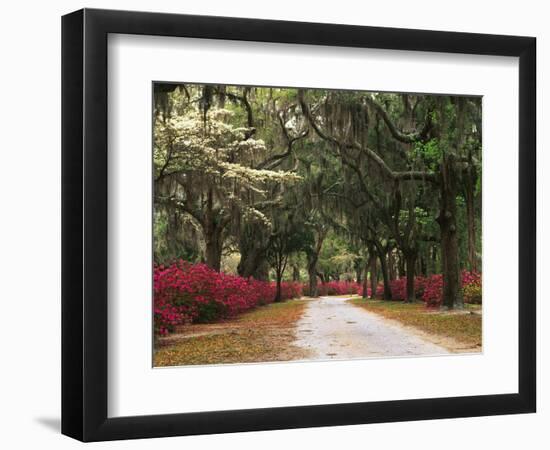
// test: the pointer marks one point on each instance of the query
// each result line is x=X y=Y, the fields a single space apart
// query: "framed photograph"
x=273 y=224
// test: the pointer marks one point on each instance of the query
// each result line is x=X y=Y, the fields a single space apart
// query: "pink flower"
x=186 y=293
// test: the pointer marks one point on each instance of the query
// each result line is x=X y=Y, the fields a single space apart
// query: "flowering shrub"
x=335 y=288
x=420 y=286
x=471 y=281
x=399 y=288
x=433 y=291
x=289 y=289
x=430 y=289
x=186 y=293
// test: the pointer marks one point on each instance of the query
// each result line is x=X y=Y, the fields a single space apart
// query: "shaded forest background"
x=319 y=185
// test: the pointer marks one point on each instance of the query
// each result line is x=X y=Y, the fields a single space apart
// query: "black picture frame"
x=84 y=224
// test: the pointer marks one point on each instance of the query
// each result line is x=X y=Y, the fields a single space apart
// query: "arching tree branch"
x=273 y=161
x=388 y=172
x=408 y=138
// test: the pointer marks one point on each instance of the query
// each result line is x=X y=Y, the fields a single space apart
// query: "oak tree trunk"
x=312 y=258
x=278 y=292
x=452 y=291
x=253 y=244
x=373 y=276
x=214 y=247
x=391 y=266
x=212 y=234
x=385 y=277
x=400 y=265
x=312 y=273
x=365 y=281
x=253 y=264
x=470 y=218
x=410 y=263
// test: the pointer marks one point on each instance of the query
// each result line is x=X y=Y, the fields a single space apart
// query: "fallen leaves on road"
x=264 y=334
x=461 y=330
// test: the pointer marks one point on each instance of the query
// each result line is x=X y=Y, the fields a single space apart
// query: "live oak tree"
x=282 y=136
x=444 y=119
x=332 y=184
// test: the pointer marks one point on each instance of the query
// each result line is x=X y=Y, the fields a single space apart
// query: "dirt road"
x=331 y=328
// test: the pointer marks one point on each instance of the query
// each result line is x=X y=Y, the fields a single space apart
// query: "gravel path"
x=331 y=328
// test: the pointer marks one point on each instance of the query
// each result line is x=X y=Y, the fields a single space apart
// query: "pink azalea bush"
x=379 y=290
x=399 y=288
x=471 y=283
x=430 y=289
x=433 y=291
x=189 y=293
x=335 y=288
x=289 y=289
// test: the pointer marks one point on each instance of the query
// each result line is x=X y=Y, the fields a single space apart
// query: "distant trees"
x=424 y=142
x=276 y=173
x=287 y=237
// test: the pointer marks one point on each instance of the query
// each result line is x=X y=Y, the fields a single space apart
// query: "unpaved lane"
x=331 y=328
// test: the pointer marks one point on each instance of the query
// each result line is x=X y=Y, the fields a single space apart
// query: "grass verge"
x=264 y=334
x=458 y=331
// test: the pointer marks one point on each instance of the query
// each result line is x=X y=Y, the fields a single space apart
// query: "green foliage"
x=246 y=163
x=175 y=237
x=337 y=258
x=429 y=152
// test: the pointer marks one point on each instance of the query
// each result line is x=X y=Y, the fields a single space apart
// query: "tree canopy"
x=319 y=184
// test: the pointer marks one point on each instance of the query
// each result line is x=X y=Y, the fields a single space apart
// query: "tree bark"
x=253 y=244
x=214 y=247
x=312 y=259
x=385 y=277
x=470 y=216
x=391 y=266
x=262 y=271
x=213 y=229
x=278 y=292
x=252 y=264
x=410 y=263
x=400 y=265
x=280 y=267
x=312 y=274
x=452 y=291
x=365 y=281
x=373 y=276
